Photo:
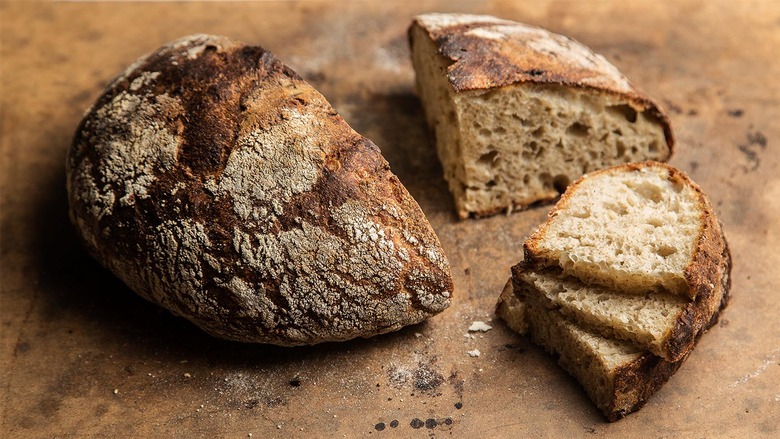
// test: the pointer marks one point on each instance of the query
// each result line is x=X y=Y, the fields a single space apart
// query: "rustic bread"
x=617 y=375
x=217 y=183
x=518 y=112
x=633 y=228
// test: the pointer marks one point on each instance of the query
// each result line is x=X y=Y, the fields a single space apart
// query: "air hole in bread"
x=578 y=129
x=665 y=251
x=621 y=149
x=653 y=146
x=524 y=122
x=561 y=182
x=488 y=159
x=655 y=222
x=624 y=110
x=649 y=191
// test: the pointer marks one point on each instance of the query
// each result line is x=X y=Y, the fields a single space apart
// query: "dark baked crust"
x=217 y=183
x=486 y=52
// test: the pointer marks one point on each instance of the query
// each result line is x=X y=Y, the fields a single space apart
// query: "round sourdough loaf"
x=218 y=184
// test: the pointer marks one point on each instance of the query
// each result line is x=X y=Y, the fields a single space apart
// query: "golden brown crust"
x=486 y=52
x=217 y=183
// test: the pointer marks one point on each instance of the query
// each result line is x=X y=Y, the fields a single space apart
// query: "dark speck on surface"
x=430 y=423
x=448 y=421
x=295 y=382
x=380 y=426
x=737 y=112
x=394 y=423
x=425 y=378
x=458 y=405
x=417 y=423
x=757 y=138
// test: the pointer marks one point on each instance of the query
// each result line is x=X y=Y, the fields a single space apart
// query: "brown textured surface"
x=215 y=182
x=71 y=333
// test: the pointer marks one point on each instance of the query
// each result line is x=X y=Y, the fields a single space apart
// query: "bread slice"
x=617 y=375
x=662 y=323
x=518 y=112
x=634 y=228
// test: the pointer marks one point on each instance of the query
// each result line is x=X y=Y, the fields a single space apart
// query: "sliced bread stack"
x=621 y=281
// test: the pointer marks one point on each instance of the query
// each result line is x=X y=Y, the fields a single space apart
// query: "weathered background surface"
x=81 y=355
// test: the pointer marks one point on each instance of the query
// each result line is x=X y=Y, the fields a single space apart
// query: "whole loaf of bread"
x=218 y=184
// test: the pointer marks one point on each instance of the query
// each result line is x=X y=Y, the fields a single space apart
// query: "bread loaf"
x=519 y=112
x=218 y=184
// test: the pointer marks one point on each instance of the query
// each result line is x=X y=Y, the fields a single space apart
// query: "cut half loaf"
x=518 y=112
x=634 y=228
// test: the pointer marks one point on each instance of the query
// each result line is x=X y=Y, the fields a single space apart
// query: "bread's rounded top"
x=490 y=52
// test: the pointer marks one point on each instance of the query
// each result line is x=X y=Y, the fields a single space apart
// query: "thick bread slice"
x=634 y=228
x=618 y=376
x=661 y=323
x=518 y=112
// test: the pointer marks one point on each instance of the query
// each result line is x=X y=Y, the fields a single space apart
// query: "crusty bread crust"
x=486 y=52
x=217 y=183
x=701 y=273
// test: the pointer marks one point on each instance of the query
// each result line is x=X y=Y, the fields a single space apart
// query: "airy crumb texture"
x=508 y=138
x=646 y=320
x=632 y=229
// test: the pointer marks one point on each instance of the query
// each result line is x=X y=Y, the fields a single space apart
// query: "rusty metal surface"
x=81 y=355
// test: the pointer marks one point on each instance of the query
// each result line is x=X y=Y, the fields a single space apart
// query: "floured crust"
x=485 y=52
x=217 y=183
